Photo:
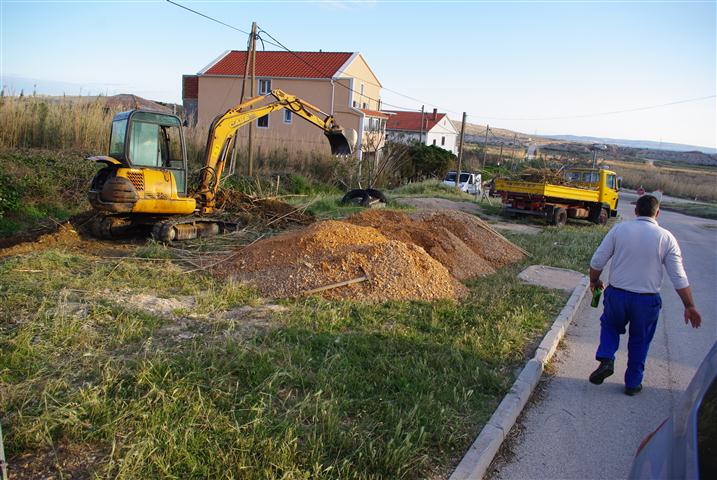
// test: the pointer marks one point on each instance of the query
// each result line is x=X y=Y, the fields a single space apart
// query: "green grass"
x=430 y=188
x=330 y=390
x=37 y=184
x=702 y=210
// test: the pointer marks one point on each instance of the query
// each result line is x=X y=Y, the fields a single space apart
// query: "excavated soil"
x=403 y=257
x=493 y=248
x=71 y=235
x=463 y=243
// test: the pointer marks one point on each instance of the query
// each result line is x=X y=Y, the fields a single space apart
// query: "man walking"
x=639 y=249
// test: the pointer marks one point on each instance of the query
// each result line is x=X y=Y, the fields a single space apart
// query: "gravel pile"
x=402 y=257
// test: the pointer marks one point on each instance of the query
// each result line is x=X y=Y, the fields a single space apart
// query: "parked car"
x=685 y=444
x=469 y=182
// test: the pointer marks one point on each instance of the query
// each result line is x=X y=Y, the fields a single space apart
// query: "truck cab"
x=606 y=182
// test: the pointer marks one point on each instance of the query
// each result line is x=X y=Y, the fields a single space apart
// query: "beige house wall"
x=218 y=94
x=363 y=76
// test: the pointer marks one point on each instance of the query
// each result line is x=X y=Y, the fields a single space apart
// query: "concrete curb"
x=479 y=456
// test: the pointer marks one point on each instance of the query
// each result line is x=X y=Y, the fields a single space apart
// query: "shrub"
x=427 y=161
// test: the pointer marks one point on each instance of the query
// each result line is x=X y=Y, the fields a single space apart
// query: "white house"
x=428 y=128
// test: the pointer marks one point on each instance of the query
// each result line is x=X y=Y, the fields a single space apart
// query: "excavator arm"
x=223 y=135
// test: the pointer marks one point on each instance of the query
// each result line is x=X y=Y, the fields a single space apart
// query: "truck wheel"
x=560 y=217
x=599 y=215
x=550 y=214
x=604 y=215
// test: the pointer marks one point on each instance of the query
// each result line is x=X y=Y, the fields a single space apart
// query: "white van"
x=469 y=182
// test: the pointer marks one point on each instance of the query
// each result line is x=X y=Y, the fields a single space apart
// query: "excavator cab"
x=144 y=139
x=146 y=170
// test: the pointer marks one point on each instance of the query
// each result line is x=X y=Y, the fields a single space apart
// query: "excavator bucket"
x=343 y=141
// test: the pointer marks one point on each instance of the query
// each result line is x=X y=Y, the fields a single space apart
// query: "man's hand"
x=595 y=281
x=693 y=316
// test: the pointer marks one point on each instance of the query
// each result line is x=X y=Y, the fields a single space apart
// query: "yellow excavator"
x=144 y=183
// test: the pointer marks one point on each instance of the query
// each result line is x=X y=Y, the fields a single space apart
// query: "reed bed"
x=683 y=182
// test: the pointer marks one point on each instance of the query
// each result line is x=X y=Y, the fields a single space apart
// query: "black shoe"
x=605 y=369
x=632 y=391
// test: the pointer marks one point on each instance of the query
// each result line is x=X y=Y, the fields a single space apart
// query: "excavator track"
x=111 y=227
x=188 y=228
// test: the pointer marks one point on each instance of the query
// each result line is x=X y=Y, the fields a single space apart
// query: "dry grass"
x=696 y=184
x=55 y=122
x=82 y=124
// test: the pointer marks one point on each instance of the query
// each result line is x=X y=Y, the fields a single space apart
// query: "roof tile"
x=282 y=64
x=411 y=121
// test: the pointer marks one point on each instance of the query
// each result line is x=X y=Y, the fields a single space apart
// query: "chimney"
x=435 y=114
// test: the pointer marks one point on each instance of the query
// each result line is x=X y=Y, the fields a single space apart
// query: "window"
x=263 y=122
x=355 y=103
x=264 y=86
x=434 y=141
x=144 y=144
x=611 y=181
x=591 y=177
x=119 y=128
x=443 y=141
x=288 y=117
x=365 y=105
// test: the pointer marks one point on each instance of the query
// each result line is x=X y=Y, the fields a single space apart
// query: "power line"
x=598 y=114
x=324 y=72
x=282 y=46
x=278 y=44
x=209 y=18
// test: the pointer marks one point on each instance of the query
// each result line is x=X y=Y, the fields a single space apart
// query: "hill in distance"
x=477 y=132
x=646 y=144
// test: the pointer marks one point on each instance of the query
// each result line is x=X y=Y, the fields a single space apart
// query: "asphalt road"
x=578 y=430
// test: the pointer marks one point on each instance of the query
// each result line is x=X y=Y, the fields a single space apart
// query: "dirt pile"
x=329 y=252
x=255 y=210
x=463 y=243
x=495 y=250
x=397 y=256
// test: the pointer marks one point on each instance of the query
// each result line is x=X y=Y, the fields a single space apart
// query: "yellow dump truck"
x=589 y=194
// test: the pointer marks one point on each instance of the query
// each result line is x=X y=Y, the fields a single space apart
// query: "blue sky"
x=510 y=64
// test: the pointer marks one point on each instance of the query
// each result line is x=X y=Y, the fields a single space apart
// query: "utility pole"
x=460 y=150
x=252 y=54
x=500 y=157
x=485 y=144
x=420 y=135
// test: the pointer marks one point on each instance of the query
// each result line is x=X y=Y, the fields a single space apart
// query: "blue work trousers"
x=621 y=308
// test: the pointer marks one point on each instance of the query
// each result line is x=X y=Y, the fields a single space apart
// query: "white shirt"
x=639 y=248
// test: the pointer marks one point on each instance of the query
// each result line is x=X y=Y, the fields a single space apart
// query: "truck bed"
x=548 y=190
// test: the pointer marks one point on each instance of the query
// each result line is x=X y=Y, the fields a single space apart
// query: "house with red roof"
x=422 y=127
x=339 y=83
